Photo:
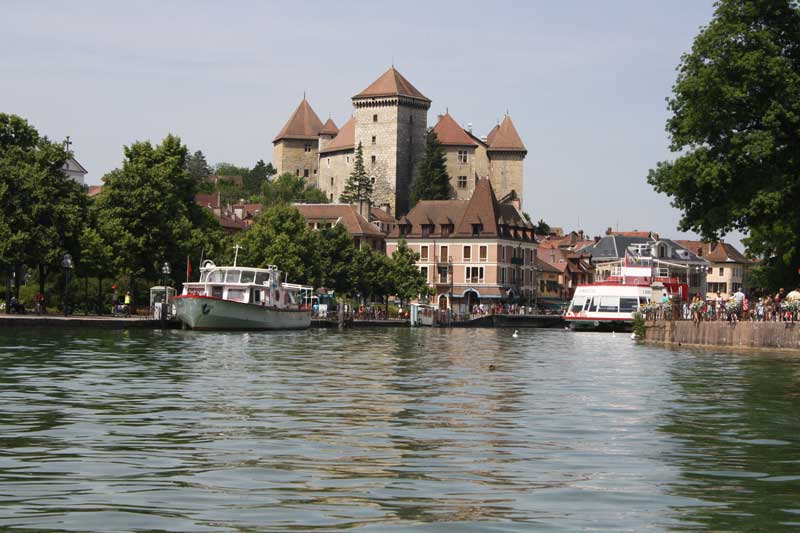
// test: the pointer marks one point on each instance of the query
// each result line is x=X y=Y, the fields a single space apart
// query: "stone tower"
x=506 y=155
x=296 y=147
x=327 y=133
x=391 y=118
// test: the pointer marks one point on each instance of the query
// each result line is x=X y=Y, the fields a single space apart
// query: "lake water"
x=392 y=430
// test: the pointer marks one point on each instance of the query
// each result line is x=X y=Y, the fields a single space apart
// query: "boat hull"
x=204 y=313
x=593 y=324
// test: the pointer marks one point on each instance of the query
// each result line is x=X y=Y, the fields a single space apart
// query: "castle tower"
x=391 y=119
x=327 y=133
x=506 y=154
x=296 y=147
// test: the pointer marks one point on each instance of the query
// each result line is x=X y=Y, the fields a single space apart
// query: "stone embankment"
x=747 y=335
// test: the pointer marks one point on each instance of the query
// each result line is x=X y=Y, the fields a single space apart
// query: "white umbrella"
x=794 y=295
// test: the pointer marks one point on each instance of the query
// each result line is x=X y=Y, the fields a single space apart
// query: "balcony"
x=443 y=260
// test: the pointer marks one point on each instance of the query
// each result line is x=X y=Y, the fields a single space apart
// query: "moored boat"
x=609 y=304
x=241 y=298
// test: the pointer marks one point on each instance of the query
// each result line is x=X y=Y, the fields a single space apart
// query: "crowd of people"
x=779 y=307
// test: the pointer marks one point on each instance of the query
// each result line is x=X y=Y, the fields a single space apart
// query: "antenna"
x=236 y=247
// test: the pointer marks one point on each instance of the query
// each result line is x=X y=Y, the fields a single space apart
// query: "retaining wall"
x=775 y=335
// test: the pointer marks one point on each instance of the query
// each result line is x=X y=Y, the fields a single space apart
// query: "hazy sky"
x=585 y=82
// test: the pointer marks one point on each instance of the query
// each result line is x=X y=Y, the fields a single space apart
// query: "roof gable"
x=353 y=222
x=451 y=134
x=391 y=83
x=505 y=137
x=481 y=209
x=303 y=124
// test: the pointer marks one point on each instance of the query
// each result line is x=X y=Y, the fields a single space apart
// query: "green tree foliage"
x=147 y=213
x=197 y=167
x=281 y=237
x=337 y=259
x=372 y=275
x=359 y=185
x=735 y=123
x=257 y=176
x=542 y=227
x=432 y=181
x=42 y=210
x=407 y=280
x=288 y=188
x=229 y=169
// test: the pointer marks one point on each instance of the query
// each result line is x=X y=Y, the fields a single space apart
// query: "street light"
x=165 y=271
x=67 y=265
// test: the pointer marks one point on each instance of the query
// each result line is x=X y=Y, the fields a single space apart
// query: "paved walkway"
x=83 y=321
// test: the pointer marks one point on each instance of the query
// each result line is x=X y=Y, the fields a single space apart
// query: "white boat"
x=609 y=304
x=231 y=297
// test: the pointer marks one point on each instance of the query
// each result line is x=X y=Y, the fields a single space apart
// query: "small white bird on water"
x=613 y=334
x=516 y=334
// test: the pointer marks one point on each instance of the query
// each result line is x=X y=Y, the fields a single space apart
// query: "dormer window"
x=427 y=229
x=477 y=229
x=405 y=229
x=447 y=229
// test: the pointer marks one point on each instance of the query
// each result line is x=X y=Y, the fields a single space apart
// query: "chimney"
x=387 y=207
x=580 y=234
x=363 y=209
x=609 y=231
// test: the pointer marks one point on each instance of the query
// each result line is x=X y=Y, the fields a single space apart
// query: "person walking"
x=114 y=301
x=128 y=304
x=39 y=299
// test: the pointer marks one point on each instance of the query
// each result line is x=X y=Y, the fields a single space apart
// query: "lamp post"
x=67 y=265
x=165 y=272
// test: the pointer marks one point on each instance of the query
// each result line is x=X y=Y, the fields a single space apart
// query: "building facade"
x=472 y=252
x=727 y=270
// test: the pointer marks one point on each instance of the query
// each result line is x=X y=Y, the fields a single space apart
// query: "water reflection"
x=387 y=430
x=736 y=421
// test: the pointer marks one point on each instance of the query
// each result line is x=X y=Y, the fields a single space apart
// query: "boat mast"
x=236 y=248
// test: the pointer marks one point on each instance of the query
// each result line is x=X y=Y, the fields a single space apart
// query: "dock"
x=89 y=321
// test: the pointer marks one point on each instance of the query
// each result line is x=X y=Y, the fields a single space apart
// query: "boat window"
x=256 y=296
x=237 y=295
x=292 y=297
x=232 y=276
x=216 y=276
x=216 y=291
x=628 y=305
x=609 y=304
x=593 y=305
x=203 y=276
x=643 y=300
x=261 y=278
x=577 y=305
x=248 y=276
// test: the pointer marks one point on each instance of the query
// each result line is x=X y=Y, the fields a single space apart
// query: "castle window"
x=329 y=162
x=372 y=180
x=308 y=147
x=305 y=172
x=331 y=197
x=347 y=159
x=462 y=157
x=374 y=118
x=297 y=171
x=373 y=139
x=462 y=182
x=373 y=159
x=331 y=181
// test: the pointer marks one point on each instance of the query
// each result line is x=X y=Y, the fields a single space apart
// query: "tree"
x=432 y=181
x=280 y=236
x=407 y=280
x=542 y=227
x=259 y=174
x=197 y=167
x=288 y=188
x=359 y=185
x=372 y=274
x=337 y=259
x=735 y=123
x=147 y=213
x=43 y=210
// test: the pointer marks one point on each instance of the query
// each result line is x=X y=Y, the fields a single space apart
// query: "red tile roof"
x=347 y=214
x=451 y=134
x=329 y=128
x=207 y=200
x=391 y=83
x=344 y=140
x=719 y=252
x=303 y=124
x=94 y=190
x=505 y=138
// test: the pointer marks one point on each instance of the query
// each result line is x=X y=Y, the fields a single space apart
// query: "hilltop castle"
x=390 y=122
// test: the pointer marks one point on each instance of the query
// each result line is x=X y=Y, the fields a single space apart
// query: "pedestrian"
x=128 y=304
x=39 y=299
x=114 y=301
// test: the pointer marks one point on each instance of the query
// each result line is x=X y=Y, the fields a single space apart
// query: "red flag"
x=188 y=269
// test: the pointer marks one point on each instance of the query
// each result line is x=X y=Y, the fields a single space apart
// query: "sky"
x=584 y=82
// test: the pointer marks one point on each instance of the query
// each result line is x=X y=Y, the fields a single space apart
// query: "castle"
x=390 y=121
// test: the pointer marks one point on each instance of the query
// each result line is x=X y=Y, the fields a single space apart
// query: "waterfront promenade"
x=88 y=321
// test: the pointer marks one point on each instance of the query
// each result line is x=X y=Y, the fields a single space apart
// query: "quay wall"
x=747 y=335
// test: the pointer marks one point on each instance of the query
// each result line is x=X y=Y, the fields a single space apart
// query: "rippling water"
x=392 y=430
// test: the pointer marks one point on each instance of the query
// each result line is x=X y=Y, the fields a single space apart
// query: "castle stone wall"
x=289 y=155
x=334 y=169
x=506 y=172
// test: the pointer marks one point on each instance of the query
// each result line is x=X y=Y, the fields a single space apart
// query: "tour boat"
x=232 y=297
x=609 y=304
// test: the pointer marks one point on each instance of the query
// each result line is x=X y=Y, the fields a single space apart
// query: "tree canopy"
x=432 y=181
x=359 y=184
x=288 y=188
x=735 y=126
